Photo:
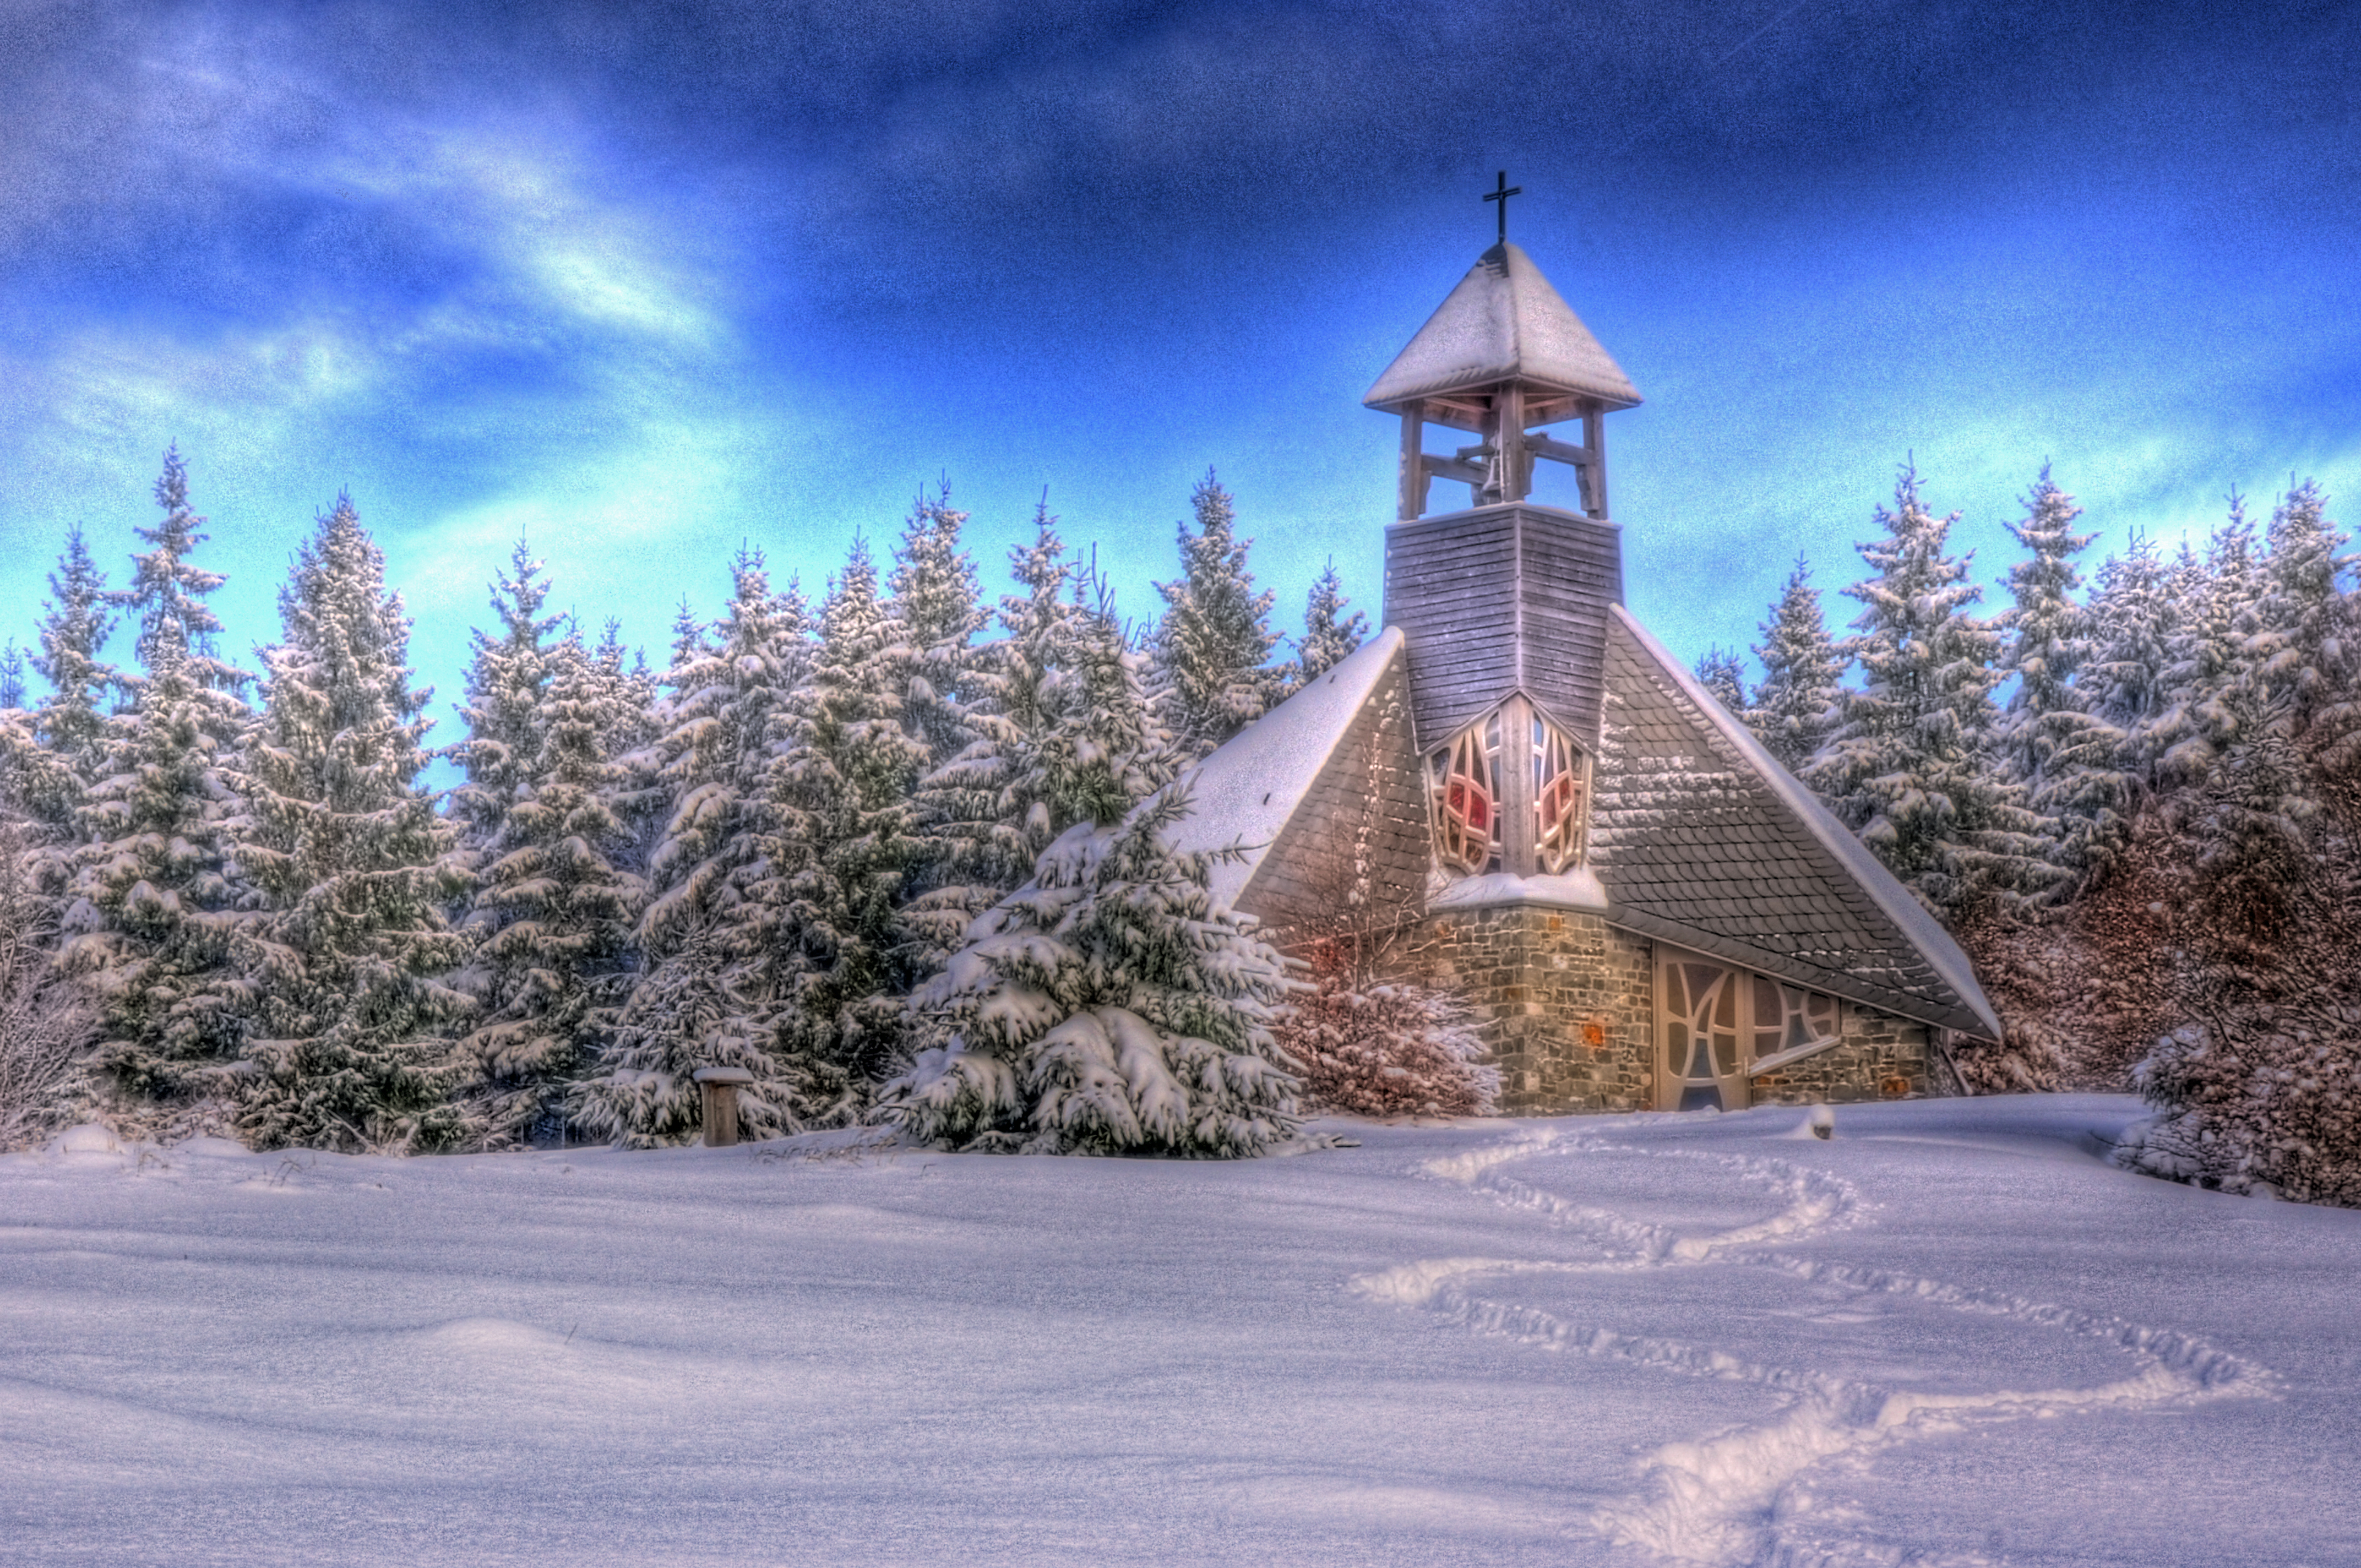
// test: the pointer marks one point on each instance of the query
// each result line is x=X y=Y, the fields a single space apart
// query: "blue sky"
x=646 y=282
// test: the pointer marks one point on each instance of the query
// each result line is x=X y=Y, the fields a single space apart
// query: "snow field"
x=1950 y=1335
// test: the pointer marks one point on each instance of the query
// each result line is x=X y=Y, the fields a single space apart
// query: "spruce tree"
x=2134 y=614
x=2210 y=654
x=354 y=869
x=1905 y=767
x=843 y=846
x=168 y=593
x=1107 y=1007
x=552 y=912
x=1064 y=735
x=1720 y=672
x=155 y=892
x=72 y=724
x=1795 y=707
x=726 y=720
x=1330 y=636
x=2304 y=642
x=1215 y=638
x=2065 y=756
x=12 y=677
x=703 y=995
x=507 y=682
x=936 y=616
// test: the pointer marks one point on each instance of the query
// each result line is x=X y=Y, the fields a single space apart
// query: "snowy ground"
x=1949 y=1335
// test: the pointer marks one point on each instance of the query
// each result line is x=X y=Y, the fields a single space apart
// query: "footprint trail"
x=1742 y=1497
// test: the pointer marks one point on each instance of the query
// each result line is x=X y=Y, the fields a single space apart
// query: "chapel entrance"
x=1699 y=1061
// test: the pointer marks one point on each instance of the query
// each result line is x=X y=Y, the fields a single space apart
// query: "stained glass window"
x=1466 y=780
x=1558 y=792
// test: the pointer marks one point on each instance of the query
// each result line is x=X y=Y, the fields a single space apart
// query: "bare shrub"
x=1384 y=1050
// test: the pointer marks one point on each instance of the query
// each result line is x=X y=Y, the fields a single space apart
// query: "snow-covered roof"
x=1503 y=323
x=1244 y=794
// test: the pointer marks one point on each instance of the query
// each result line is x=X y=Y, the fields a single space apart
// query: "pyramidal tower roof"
x=1504 y=322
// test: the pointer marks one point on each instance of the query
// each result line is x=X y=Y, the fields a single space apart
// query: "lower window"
x=1718 y=1025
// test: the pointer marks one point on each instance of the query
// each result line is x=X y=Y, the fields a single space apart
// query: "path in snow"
x=1740 y=1497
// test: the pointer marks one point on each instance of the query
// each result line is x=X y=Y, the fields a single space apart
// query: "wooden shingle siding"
x=1361 y=828
x=1502 y=600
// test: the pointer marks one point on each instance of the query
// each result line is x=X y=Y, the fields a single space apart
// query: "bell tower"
x=1501 y=358
x=1504 y=604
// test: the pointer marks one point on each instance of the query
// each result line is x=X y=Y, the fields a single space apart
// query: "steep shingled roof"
x=1503 y=323
x=1705 y=841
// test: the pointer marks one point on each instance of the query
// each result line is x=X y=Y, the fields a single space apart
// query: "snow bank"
x=1953 y=1334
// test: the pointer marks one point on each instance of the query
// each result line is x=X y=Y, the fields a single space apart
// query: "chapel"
x=1539 y=807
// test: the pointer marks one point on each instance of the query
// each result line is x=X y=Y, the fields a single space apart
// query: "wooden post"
x=1509 y=415
x=1413 y=463
x=720 y=1085
x=1518 y=817
x=1594 y=435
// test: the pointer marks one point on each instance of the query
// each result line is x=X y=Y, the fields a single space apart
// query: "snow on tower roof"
x=1244 y=794
x=1504 y=322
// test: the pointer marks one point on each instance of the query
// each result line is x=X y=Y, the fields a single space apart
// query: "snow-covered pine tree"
x=1215 y=639
x=629 y=700
x=936 y=616
x=726 y=720
x=1794 y=706
x=345 y=955
x=12 y=677
x=71 y=723
x=1905 y=767
x=168 y=593
x=1330 y=636
x=2307 y=642
x=2066 y=758
x=2211 y=660
x=1063 y=736
x=702 y=994
x=552 y=912
x=1721 y=672
x=1107 y=1007
x=507 y=682
x=155 y=895
x=843 y=846
x=2132 y=609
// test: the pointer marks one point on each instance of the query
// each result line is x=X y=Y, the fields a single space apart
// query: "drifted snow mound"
x=90 y=1138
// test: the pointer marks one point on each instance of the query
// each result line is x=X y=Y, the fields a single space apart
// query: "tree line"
x=791 y=847
x=2137 y=798
x=752 y=857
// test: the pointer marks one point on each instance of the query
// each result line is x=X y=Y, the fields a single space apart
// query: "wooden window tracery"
x=1561 y=797
x=1466 y=783
x=1511 y=792
x=1719 y=1025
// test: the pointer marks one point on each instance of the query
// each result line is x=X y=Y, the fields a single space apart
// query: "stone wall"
x=1882 y=1058
x=1564 y=1001
x=1566 y=1004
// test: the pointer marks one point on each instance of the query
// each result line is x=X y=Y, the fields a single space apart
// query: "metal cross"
x=1500 y=194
